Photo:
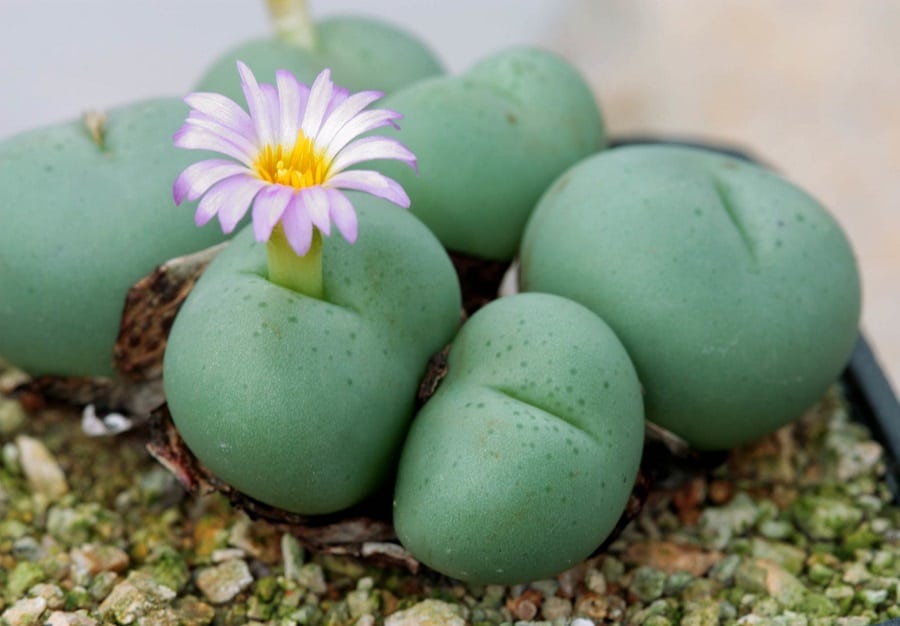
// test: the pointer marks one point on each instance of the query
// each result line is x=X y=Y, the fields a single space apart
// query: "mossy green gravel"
x=741 y=522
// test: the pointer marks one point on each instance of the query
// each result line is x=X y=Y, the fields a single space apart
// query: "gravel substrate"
x=796 y=529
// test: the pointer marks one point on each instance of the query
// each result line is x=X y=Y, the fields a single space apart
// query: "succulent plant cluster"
x=701 y=292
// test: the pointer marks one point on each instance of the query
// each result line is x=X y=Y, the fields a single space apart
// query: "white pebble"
x=40 y=468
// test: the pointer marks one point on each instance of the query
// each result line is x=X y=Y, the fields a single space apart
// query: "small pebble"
x=22 y=577
x=856 y=573
x=361 y=600
x=12 y=416
x=718 y=525
x=10 y=458
x=678 y=582
x=824 y=517
x=612 y=569
x=595 y=581
x=60 y=618
x=241 y=536
x=790 y=557
x=525 y=605
x=40 y=468
x=194 y=612
x=227 y=554
x=221 y=583
x=767 y=577
x=647 y=583
x=547 y=588
x=427 y=613
x=135 y=599
x=671 y=557
x=873 y=597
x=24 y=612
x=776 y=529
x=27 y=549
x=554 y=608
x=593 y=605
x=841 y=595
x=880 y=525
x=820 y=574
x=703 y=613
x=94 y=558
x=292 y=555
x=102 y=585
x=52 y=594
x=83 y=523
x=724 y=570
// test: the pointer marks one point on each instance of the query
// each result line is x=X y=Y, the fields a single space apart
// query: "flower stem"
x=292 y=22
x=303 y=274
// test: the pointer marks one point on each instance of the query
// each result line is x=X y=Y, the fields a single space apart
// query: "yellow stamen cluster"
x=301 y=166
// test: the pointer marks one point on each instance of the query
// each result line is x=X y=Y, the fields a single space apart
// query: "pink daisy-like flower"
x=289 y=157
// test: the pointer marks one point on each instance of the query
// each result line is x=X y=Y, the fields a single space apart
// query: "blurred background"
x=810 y=86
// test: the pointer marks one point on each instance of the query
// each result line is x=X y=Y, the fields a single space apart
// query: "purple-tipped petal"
x=328 y=116
x=224 y=109
x=344 y=113
x=239 y=198
x=199 y=177
x=338 y=95
x=316 y=202
x=370 y=149
x=319 y=97
x=244 y=143
x=292 y=97
x=362 y=123
x=342 y=214
x=195 y=138
x=229 y=199
x=268 y=208
x=371 y=182
x=256 y=102
x=211 y=203
x=297 y=226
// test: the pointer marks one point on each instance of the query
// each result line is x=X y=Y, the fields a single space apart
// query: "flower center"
x=300 y=166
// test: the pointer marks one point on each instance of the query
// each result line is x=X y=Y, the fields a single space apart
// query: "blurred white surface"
x=60 y=57
x=810 y=86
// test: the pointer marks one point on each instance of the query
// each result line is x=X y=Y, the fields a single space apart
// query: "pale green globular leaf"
x=489 y=142
x=522 y=462
x=303 y=403
x=87 y=211
x=735 y=292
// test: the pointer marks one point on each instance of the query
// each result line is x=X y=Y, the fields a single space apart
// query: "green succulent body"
x=522 y=462
x=489 y=142
x=303 y=403
x=362 y=53
x=735 y=292
x=82 y=223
